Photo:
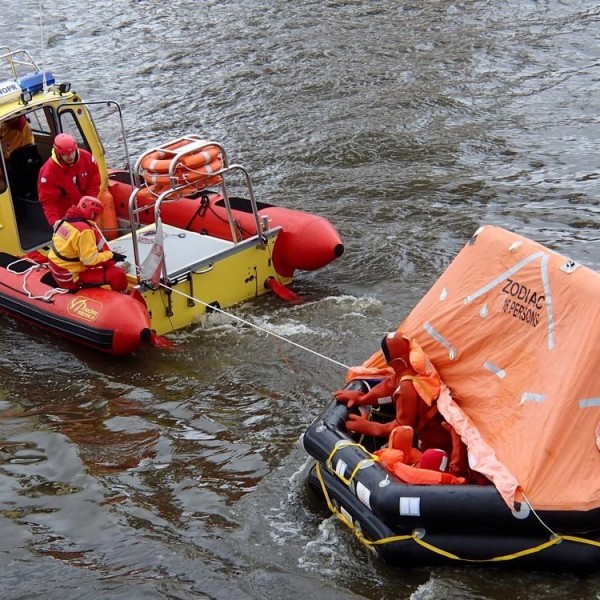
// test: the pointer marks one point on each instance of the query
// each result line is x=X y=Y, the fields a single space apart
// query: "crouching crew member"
x=79 y=256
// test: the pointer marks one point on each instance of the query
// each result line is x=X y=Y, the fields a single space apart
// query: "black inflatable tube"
x=579 y=558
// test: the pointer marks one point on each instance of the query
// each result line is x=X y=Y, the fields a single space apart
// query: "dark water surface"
x=407 y=124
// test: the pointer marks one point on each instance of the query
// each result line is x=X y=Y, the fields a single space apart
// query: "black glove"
x=118 y=257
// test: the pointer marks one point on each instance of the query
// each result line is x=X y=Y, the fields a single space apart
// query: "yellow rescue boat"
x=189 y=244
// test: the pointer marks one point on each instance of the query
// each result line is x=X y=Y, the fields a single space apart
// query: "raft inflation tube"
x=307 y=242
x=97 y=317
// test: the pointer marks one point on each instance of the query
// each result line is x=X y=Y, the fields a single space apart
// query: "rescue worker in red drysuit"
x=65 y=177
x=79 y=255
x=414 y=388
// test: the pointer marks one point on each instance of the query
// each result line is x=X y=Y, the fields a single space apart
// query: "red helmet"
x=90 y=208
x=434 y=459
x=64 y=144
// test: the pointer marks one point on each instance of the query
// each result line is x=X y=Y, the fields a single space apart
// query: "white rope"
x=46 y=296
x=212 y=307
x=554 y=534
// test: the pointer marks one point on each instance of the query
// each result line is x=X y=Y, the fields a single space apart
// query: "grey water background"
x=179 y=474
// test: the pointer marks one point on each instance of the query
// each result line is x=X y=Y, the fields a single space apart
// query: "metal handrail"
x=10 y=57
x=196 y=144
x=109 y=104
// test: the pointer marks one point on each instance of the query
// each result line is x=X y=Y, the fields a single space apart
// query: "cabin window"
x=39 y=121
x=42 y=126
x=70 y=125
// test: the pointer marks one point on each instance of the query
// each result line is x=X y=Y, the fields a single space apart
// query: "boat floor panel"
x=183 y=249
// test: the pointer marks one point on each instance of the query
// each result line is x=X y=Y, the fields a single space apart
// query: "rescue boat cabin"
x=50 y=108
x=30 y=93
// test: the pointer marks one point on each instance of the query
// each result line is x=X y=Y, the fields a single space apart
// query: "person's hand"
x=118 y=257
x=349 y=397
x=359 y=424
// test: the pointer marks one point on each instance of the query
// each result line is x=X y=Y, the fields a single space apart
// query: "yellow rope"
x=361 y=464
x=416 y=537
x=579 y=540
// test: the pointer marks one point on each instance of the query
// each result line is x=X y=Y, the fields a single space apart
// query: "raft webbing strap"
x=417 y=535
x=506 y=557
x=342 y=517
x=359 y=466
x=330 y=505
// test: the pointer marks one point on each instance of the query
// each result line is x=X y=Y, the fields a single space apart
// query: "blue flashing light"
x=34 y=82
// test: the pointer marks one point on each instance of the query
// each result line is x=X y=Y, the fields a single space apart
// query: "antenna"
x=43 y=48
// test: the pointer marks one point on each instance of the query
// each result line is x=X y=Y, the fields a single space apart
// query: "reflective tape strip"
x=589 y=402
x=340 y=467
x=386 y=400
x=528 y=397
x=548 y=294
x=410 y=507
x=501 y=373
x=486 y=288
x=363 y=493
x=438 y=337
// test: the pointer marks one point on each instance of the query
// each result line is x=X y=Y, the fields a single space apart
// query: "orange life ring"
x=149 y=194
x=184 y=175
x=215 y=180
x=160 y=161
x=168 y=151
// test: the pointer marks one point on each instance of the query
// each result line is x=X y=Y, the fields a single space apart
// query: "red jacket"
x=60 y=186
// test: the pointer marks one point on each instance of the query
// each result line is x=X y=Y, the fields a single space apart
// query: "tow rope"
x=35 y=266
x=258 y=327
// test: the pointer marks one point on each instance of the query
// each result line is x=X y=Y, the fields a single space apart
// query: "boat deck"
x=184 y=250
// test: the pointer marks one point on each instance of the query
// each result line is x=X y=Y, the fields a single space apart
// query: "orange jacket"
x=418 y=476
x=426 y=379
x=17 y=133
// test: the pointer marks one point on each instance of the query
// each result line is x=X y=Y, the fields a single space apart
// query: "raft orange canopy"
x=513 y=330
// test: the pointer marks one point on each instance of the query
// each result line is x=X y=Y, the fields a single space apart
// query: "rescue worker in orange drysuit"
x=414 y=387
x=15 y=133
x=79 y=255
